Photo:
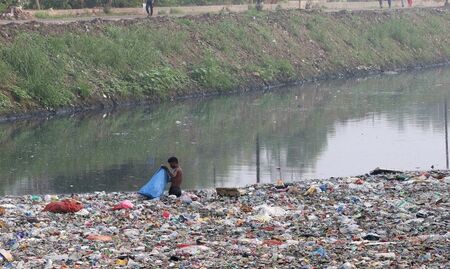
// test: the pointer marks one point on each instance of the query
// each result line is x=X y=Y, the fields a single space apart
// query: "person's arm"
x=174 y=174
x=171 y=175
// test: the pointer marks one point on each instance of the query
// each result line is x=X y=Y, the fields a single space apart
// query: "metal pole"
x=446 y=133
x=258 y=173
x=279 y=162
x=214 y=175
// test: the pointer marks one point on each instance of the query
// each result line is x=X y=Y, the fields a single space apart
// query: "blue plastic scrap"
x=156 y=185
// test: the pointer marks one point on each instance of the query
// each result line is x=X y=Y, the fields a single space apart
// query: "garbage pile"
x=15 y=13
x=398 y=220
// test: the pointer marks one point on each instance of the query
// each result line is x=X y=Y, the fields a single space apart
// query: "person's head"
x=173 y=162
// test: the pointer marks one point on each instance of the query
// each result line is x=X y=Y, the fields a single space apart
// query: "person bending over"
x=176 y=176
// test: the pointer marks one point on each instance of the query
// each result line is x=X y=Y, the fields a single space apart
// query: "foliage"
x=107 y=8
x=5 y=74
x=210 y=74
x=271 y=69
x=45 y=68
x=39 y=75
x=4 y=4
x=4 y=102
x=159 y=82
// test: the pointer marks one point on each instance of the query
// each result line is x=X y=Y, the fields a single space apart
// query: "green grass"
x=252 y=12
x=5 y=74
x=39 y=74
x=158 y=60
x=272 y=69
x=5 y=102
x=211 y=75
x=158 y=82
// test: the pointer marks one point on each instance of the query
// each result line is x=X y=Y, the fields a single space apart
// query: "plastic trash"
x=96 y=237
x=156 y=185
x=312 y=190
x=36 y=198
x=65 y=206
x=121 y=262
x=186 y=199
x=193 y=250
x=123 y=205
x=83 y=212
x=378 y=224
x=347 y=265
x=272 y=242
x=340 y=208
x=166 y=215
x=273 y=211
x=320 y=252
x=371 y=237
x=6 y=255
x=386 y=255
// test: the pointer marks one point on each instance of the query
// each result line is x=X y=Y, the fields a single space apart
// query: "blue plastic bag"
x=156 y=185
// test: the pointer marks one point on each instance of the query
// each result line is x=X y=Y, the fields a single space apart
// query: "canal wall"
x=57 y=68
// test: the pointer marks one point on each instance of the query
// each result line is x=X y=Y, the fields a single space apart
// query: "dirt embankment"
x=50 y=67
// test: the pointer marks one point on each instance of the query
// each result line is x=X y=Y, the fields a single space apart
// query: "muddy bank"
x=387 y=219
x=54 y=69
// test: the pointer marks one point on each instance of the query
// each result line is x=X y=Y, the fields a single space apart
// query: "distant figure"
x=149 y=8
x=410 y=3
x=389 y=3
x=176 y=176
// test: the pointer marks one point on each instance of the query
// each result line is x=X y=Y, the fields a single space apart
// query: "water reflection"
x=334 y=128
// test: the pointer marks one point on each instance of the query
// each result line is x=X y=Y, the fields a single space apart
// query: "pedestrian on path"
x=410 y=3
x=149 y=8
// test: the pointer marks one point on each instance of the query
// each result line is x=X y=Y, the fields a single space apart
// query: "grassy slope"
x=52 y=66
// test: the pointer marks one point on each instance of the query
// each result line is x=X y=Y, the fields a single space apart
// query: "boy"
x=176 y=176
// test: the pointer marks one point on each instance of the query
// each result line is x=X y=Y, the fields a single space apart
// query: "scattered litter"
x=123 y=205
x=373 y=221
x=231 y=192
x=96 y=237
x=5 y=255
x=64 y=206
